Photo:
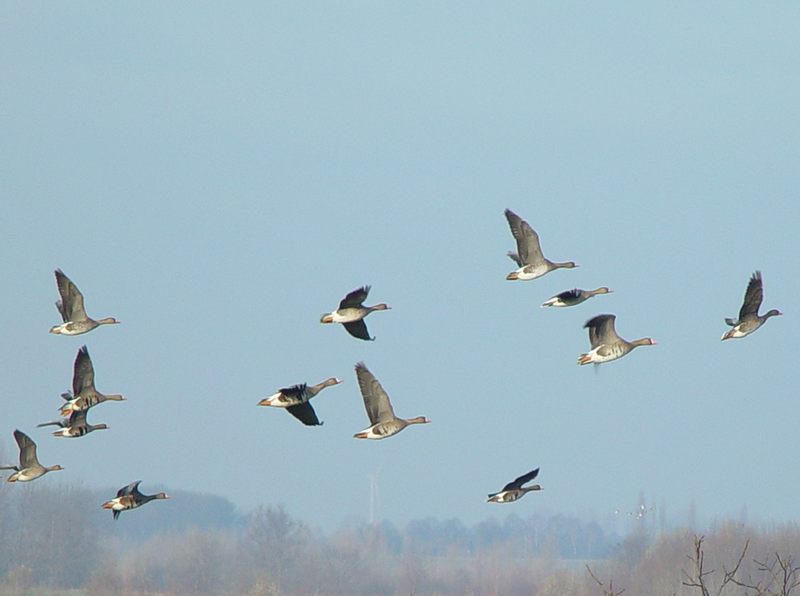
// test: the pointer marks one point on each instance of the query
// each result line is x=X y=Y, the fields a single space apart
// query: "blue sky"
x=217 y=177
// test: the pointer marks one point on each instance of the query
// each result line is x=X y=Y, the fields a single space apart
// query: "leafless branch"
x=760 y=590
x=790 y=574
x=697 y=579
x=782 y=571
x=730 y=576
x=609 y=591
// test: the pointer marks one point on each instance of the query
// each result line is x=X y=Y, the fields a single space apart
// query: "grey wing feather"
x=376 y=400
x=528 y=248
x=71 y=308
x=132 y=488
x=358 y=329
x=296 y=391
x=27 y=450
x=753 y=296
x=83 y=373
x=78 y=418
x=515 y=257
x=569 y=294
x=62 y=311
x=601 y=330
x=518 y=482
x=305 y=413
x=355 y=298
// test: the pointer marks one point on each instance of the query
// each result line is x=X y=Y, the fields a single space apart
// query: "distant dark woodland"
x=53 y=540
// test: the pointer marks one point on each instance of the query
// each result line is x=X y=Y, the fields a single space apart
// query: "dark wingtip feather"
x=596 y=320
x=294 y=389
x=566 y=294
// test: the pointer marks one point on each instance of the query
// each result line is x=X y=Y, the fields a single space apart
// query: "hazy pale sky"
x=219 y=176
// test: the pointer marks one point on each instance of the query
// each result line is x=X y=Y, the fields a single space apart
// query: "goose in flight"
x=379 y=409
x=351 y=313
x=573 y=297
x=84 y=395
x=749 y=320
x=74 y=426
x=29 y=467
x=514 y=489
x=606 y=344
x=70 y=306
x=129 y=497
x=532 y=263
x=296 y=400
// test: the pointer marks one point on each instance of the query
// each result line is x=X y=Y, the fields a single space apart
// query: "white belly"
x=27 y=475
x=607 y=354
x=347 y=316
x=527 y=272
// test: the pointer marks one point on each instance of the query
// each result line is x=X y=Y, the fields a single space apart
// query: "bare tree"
x=782 y=576
x=607 y=591
x=698 y=577
x=783 y=572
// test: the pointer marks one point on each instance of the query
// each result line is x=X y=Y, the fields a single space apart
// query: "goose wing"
x=568 y=295
x=63 y=423
x=77 y=418
x=601 y=330
x=305 y=413
x=518 y=482
x=376 y=400
x=71 y=304
x=528 y=248
x=752 y=296
x=358 y=329
x=83 y=372
x=296 y=392
x=27 y=450
x=355 y=298
x=131 y=489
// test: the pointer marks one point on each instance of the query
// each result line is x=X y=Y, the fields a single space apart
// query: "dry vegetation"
x=58 y=541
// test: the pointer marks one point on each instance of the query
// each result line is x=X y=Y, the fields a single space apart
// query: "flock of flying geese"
x=604 y=342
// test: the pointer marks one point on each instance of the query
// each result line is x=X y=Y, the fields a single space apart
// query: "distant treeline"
x=55 y=539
